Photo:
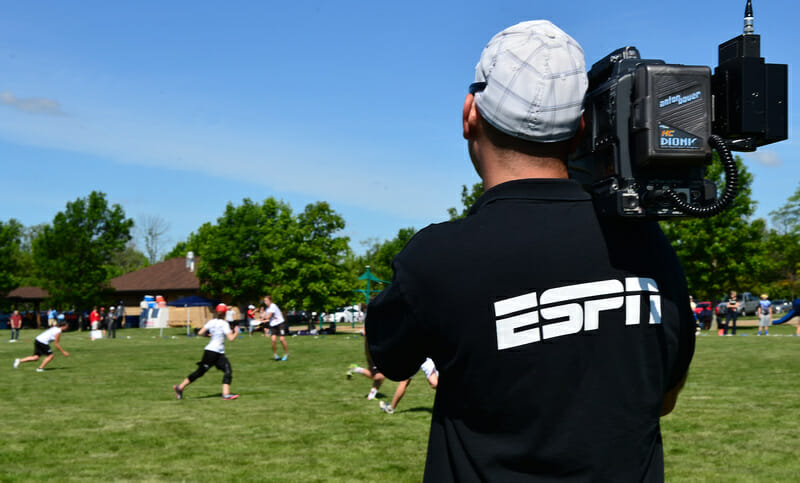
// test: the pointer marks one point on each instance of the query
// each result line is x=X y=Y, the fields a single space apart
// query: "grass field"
x=108 y=413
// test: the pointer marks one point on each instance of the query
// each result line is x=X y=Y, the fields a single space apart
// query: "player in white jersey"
x=429 y=368
x=214 y=356
x=41 y=346
x=277 y=327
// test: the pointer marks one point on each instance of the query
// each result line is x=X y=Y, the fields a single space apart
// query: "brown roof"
x=171 y=274
x=28 y=293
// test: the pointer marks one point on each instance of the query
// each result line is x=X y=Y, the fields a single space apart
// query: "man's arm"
x=396 y=336
x=58 y=345
x=671 y=397
x=232 y=334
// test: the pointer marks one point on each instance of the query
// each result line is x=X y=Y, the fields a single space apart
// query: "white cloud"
x=377 y=179
x=31 y=105
x=767 y=158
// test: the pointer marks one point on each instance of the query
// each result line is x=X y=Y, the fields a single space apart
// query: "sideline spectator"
x=52 y=315
x=104 y=320
x=16 y=325
x=94 y=319
x=120 y=314
x=731 y=313
x=112 y=322
x=764 y=314
x=252 y=322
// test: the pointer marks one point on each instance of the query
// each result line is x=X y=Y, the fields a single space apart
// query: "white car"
x=348 y=315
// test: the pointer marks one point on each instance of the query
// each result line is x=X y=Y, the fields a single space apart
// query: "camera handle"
x=728 y=194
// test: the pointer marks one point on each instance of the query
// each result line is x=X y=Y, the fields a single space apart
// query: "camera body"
x=650 y=127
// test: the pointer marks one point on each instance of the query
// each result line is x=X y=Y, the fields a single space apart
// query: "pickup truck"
x=748 y=304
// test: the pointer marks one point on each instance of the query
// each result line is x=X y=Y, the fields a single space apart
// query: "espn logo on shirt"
x=568 y=310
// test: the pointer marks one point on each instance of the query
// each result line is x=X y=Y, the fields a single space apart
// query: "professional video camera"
x=651 y=127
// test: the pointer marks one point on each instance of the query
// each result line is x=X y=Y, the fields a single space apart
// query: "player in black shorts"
x=41 y=346
x=371 y=372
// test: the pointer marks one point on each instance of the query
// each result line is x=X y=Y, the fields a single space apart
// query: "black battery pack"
x=671 y=118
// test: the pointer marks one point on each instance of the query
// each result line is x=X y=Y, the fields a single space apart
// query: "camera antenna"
x=748 y=18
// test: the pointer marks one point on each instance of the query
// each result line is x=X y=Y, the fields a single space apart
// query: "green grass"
x=736 y=419
x=108 y=413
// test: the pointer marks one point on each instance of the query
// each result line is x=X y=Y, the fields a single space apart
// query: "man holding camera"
x=560 y=337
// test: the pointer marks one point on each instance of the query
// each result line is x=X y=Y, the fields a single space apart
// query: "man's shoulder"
x=433 y=240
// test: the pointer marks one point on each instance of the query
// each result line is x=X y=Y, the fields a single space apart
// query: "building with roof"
x=30 y=295
x=172 y=279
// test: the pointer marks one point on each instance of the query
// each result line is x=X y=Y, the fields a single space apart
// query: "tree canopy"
x=10 y=253
x=72 y=254
x=304 y=261
x=380 y=254
x=720 y=253
x=783 y=246
x=260 y=248
x=468 y=198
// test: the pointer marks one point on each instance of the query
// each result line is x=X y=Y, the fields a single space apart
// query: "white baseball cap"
x=530 y=82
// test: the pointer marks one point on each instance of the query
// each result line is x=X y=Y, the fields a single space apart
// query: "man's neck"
x=547 y=168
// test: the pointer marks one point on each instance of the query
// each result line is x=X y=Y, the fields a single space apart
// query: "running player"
x=41 y=346
x=277 y=327
x=429 y=368
x=218 y=329
x=371 y=372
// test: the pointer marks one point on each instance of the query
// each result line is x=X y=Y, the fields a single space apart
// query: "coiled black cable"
x=728 y=194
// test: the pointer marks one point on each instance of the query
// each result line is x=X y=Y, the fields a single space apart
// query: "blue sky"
x=176 y=108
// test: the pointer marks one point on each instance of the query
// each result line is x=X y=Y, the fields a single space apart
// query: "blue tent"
x=192 y=301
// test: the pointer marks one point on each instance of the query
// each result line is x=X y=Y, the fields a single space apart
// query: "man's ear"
x=573 y=145
x=469 y=117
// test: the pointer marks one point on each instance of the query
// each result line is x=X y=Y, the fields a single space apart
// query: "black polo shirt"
x=556 y=336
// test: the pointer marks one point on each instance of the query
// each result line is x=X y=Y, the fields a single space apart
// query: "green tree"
x=468 y=198
x=28 y=274
x=255 y=249
x=10 y=255
x=127 y=260
x=783 y=247
x=786 y=219
x=239 y=254
x=193 y=242
x=312 y=271
x=379 y=256
x=72 y=254
x=782 y=274
x=723 y=252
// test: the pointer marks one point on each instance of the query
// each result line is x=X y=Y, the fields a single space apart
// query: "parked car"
x=704 y=313
x=701 y=306
x=347 y=315
x=297 y=317
x=781 y=306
